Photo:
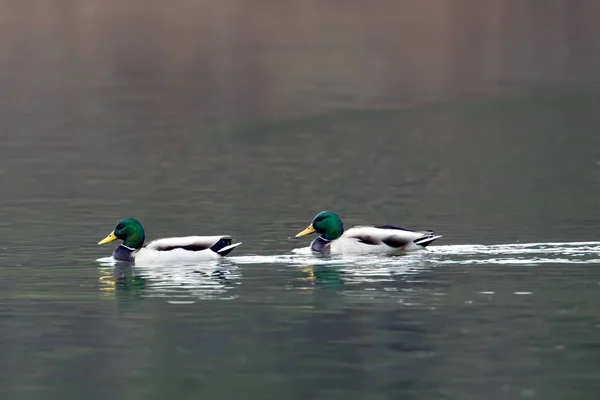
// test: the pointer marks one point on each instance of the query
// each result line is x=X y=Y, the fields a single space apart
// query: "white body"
x=156 y=251
x=353 y=240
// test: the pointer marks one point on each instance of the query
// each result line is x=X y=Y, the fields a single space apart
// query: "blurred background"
x=477 y=119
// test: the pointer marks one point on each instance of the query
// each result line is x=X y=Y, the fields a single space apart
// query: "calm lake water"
x=477 y=121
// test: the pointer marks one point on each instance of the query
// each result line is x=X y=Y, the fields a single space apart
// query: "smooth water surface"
x=478 y=121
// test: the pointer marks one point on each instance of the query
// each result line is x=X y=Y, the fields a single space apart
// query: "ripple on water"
x=219 y=279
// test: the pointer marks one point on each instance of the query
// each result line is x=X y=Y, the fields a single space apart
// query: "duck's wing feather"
x=389 y=235
x=190 y=243
x=393 y=227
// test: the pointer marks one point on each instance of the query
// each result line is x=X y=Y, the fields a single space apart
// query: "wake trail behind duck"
x=465 y=254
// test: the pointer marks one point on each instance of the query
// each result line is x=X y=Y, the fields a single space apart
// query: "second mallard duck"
x=363 y=239
x=175 y=249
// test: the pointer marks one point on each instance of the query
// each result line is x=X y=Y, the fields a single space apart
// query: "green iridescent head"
x=327 y=223
x=130 y=231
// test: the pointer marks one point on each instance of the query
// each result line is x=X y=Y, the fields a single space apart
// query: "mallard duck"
x=175 y=249
x=362 y=239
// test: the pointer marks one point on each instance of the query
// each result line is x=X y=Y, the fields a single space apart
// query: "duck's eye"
x=119 y=227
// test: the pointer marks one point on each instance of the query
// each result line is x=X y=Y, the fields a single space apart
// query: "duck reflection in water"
x=177 y=283
x=121 y=283
x=327 y=276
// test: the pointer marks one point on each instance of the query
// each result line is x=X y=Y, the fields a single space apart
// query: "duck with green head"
x=174 y=249
x=363 y=239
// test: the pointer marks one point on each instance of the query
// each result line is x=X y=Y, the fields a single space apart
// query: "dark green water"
x=478 y=121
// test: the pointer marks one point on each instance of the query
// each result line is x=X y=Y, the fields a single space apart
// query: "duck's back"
x=186 y=249
x=190 y=243
x=366 y=239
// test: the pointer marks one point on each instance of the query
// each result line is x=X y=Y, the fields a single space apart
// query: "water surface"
x=478 y=121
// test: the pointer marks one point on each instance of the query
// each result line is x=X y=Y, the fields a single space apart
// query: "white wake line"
x=475 y=254
x=559 y=245
x=567 y=248
x=520 y=261
x=465 y=254
x=289 y=259
x=524 y=244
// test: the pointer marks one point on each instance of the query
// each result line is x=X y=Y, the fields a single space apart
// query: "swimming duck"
x=362 y=239
x=175 y=249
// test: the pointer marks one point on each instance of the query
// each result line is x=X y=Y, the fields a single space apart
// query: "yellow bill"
x=109 y=238
x=307 y=231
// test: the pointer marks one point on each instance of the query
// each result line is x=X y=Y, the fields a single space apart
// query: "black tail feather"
x=223 y=242
x=222 y=246
x=426 y=240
